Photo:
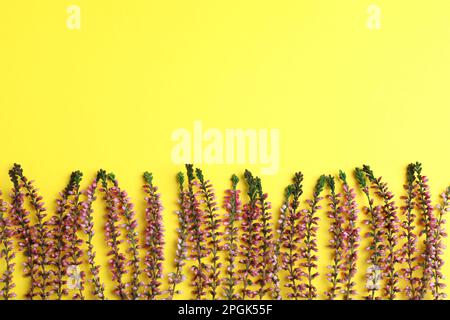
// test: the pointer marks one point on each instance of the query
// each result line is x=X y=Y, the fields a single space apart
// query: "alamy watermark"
x=73 y=21
x=374 y=18
x=227 y=146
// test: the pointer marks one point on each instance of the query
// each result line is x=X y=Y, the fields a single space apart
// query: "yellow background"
x=110 y=95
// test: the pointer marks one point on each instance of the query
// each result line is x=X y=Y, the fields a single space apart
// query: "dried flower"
x=428 y=221
x=310 y=225
x=391 y=235
x=113 y=234
x=177 y=277
x=336 y=243
x=351 y=239
x=87 y=225
x=232 y=205
x=376 y=248
x=437 y=285
x=197 y=237
x=6 y=252
x=409 y=249
x=154 y=238
x=291 y=233
x=250 y=239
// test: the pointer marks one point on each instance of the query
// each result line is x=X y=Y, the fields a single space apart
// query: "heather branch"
x=376 y=248
x=336 y=243
x=126 y=210
x=440 y=233
x=112 y=235
x=428 y=221
x=232 y=205
x=310 y=239
x=409 y=249
x=154 y=238
x=23 y=230
x=266 y=253
x=197 y=237
x=43 y=245
x=6 y=252
x=213 y=234
x=177 y=277
x=391 y=227
x=351 y=237
x=292 y=232
x=250 y=239
x=87 y=225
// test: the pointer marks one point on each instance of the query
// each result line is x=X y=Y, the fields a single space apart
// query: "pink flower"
x=267 y=256
x=32 y=239
x=428 y=221
x=6 y=252
x=409 y=249
x=87 y=225
x=113 y=234
x=391 y=225
x=197 y=237
x=291 y=234
x=309 y=250
x=232 y=205
x=439 y=233
x=154 y=238
x=250 y=240
x=177 y=277
x=336 y=243
x=376 y=248
x=213 y=235
x=351 y=237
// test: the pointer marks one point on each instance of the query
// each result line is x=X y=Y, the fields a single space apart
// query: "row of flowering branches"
x=230 y=249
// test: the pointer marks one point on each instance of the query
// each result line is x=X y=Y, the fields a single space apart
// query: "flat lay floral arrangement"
x=232 y=246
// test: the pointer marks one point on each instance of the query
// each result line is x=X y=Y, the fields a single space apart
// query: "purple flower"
x=197 y=237
x=32 y=238
x=440 y=233
x=59 y=224
x=232 y=205
x=213 y=235
x=125 y=210
x=267 y=256
x=291 y=234
x=336 y=243
x=22 y=230
x=409 y=249
x=154 y=238
x=6 y=252
x=376 y=234
x=391 y=224
x=87 y=225
x=112 y=234
x=250 y=240
x=428 y=221
x=351 y=237
x=72 y=225
x=177 y=277
x=309 y=249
